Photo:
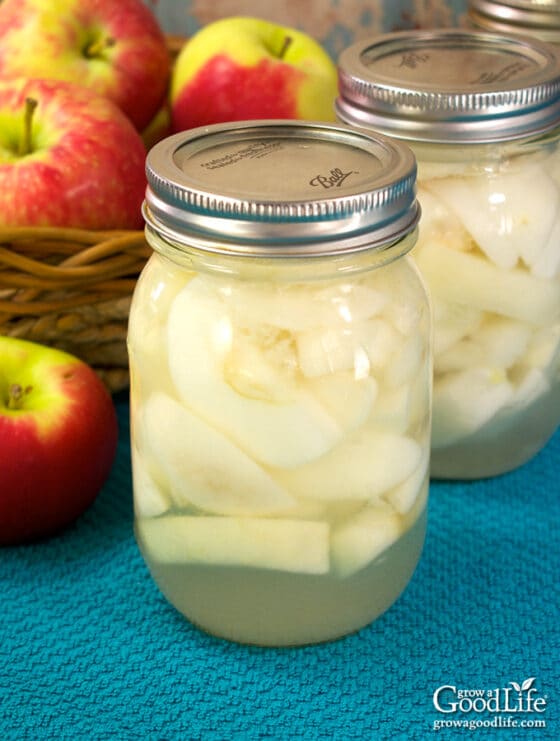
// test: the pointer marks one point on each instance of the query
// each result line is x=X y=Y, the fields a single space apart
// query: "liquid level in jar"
x=274 y=608
x=522 y=437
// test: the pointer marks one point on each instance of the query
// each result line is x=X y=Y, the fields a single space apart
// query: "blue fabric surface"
x=89 y=649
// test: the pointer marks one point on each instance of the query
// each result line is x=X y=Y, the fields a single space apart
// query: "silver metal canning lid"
x=280 y=188
x=451 y=86
x=539 y=16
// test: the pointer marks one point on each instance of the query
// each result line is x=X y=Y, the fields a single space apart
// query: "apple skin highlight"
x=58 y=447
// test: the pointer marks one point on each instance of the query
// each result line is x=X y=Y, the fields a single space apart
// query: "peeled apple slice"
x=347 y=399
x=510 y=215
x=452 y=321
x=360 y=348
x=297 y=546
x=497 y=342
x=544 y=348
x=465 y=401
x=366 y=465
x=406 y=362
x=465 y=278
x=532 y=384
x=150 y=500
x=392 y=410
x=547 y=262
x=440 y=223
x=283 y=431
x=403 y=497
x=203 y=467
x=364 y=537
x=302 y=307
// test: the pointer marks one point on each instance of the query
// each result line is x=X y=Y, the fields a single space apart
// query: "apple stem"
x=97 y=47
x=285 y=46
x=25 y=141
x=16 y=394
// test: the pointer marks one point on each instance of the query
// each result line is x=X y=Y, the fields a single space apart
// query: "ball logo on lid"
x=334 y=179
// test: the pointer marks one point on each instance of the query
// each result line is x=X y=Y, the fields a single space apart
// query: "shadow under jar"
x=280 y=359
x=482 y=114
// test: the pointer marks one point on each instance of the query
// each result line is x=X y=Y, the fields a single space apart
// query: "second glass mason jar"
x=280 y=360
x=482 y=114
x=538 y=18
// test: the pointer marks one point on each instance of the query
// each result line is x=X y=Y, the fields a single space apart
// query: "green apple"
x=58 y=439
x=241 y=68
x=113 y=47
x=68 y=158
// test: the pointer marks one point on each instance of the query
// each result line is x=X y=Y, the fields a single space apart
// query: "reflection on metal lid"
x=451 y=85
x=537 y=17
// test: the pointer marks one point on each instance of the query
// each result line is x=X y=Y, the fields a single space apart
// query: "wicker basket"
x=71 y=288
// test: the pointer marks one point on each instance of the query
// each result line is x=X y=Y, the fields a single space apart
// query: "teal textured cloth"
x=90 y=650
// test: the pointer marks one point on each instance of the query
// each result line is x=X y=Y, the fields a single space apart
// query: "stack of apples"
x=86 y=86
x=80 y=81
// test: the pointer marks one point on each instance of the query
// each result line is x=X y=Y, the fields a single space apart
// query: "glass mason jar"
x=280 y=359
x=482 y=114
x=538 y=18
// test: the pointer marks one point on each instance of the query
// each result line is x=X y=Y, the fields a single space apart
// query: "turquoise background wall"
x=335 y=23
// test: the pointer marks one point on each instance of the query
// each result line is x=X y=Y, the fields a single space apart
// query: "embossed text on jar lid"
x=538 y=17
x=451 y=86
x=281 y=188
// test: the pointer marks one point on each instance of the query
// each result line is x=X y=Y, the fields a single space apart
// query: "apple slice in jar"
x=402 y=497
x=363 y=467
x=465 y=401
x=546 y=263
x=498 y=342
x=203 y=467
x=349 y=400
x=297 y=546
x=519 y=211
x=452 y=322
x=275 y=431
x=478 y=283
x=150 y=497
x=360 y=348
x=155 y=291
x=544 y=348
x=362 y=538
x=529 y=384
x=302 y=307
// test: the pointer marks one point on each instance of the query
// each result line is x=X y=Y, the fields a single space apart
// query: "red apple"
x=58 y=439
x=114 y=47
x=239 y=69
x=68 y=157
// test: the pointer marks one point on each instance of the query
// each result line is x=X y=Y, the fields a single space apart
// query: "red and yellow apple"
x=58 y=439
x=240 y=68
x=114 y=47
x=68 y=158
